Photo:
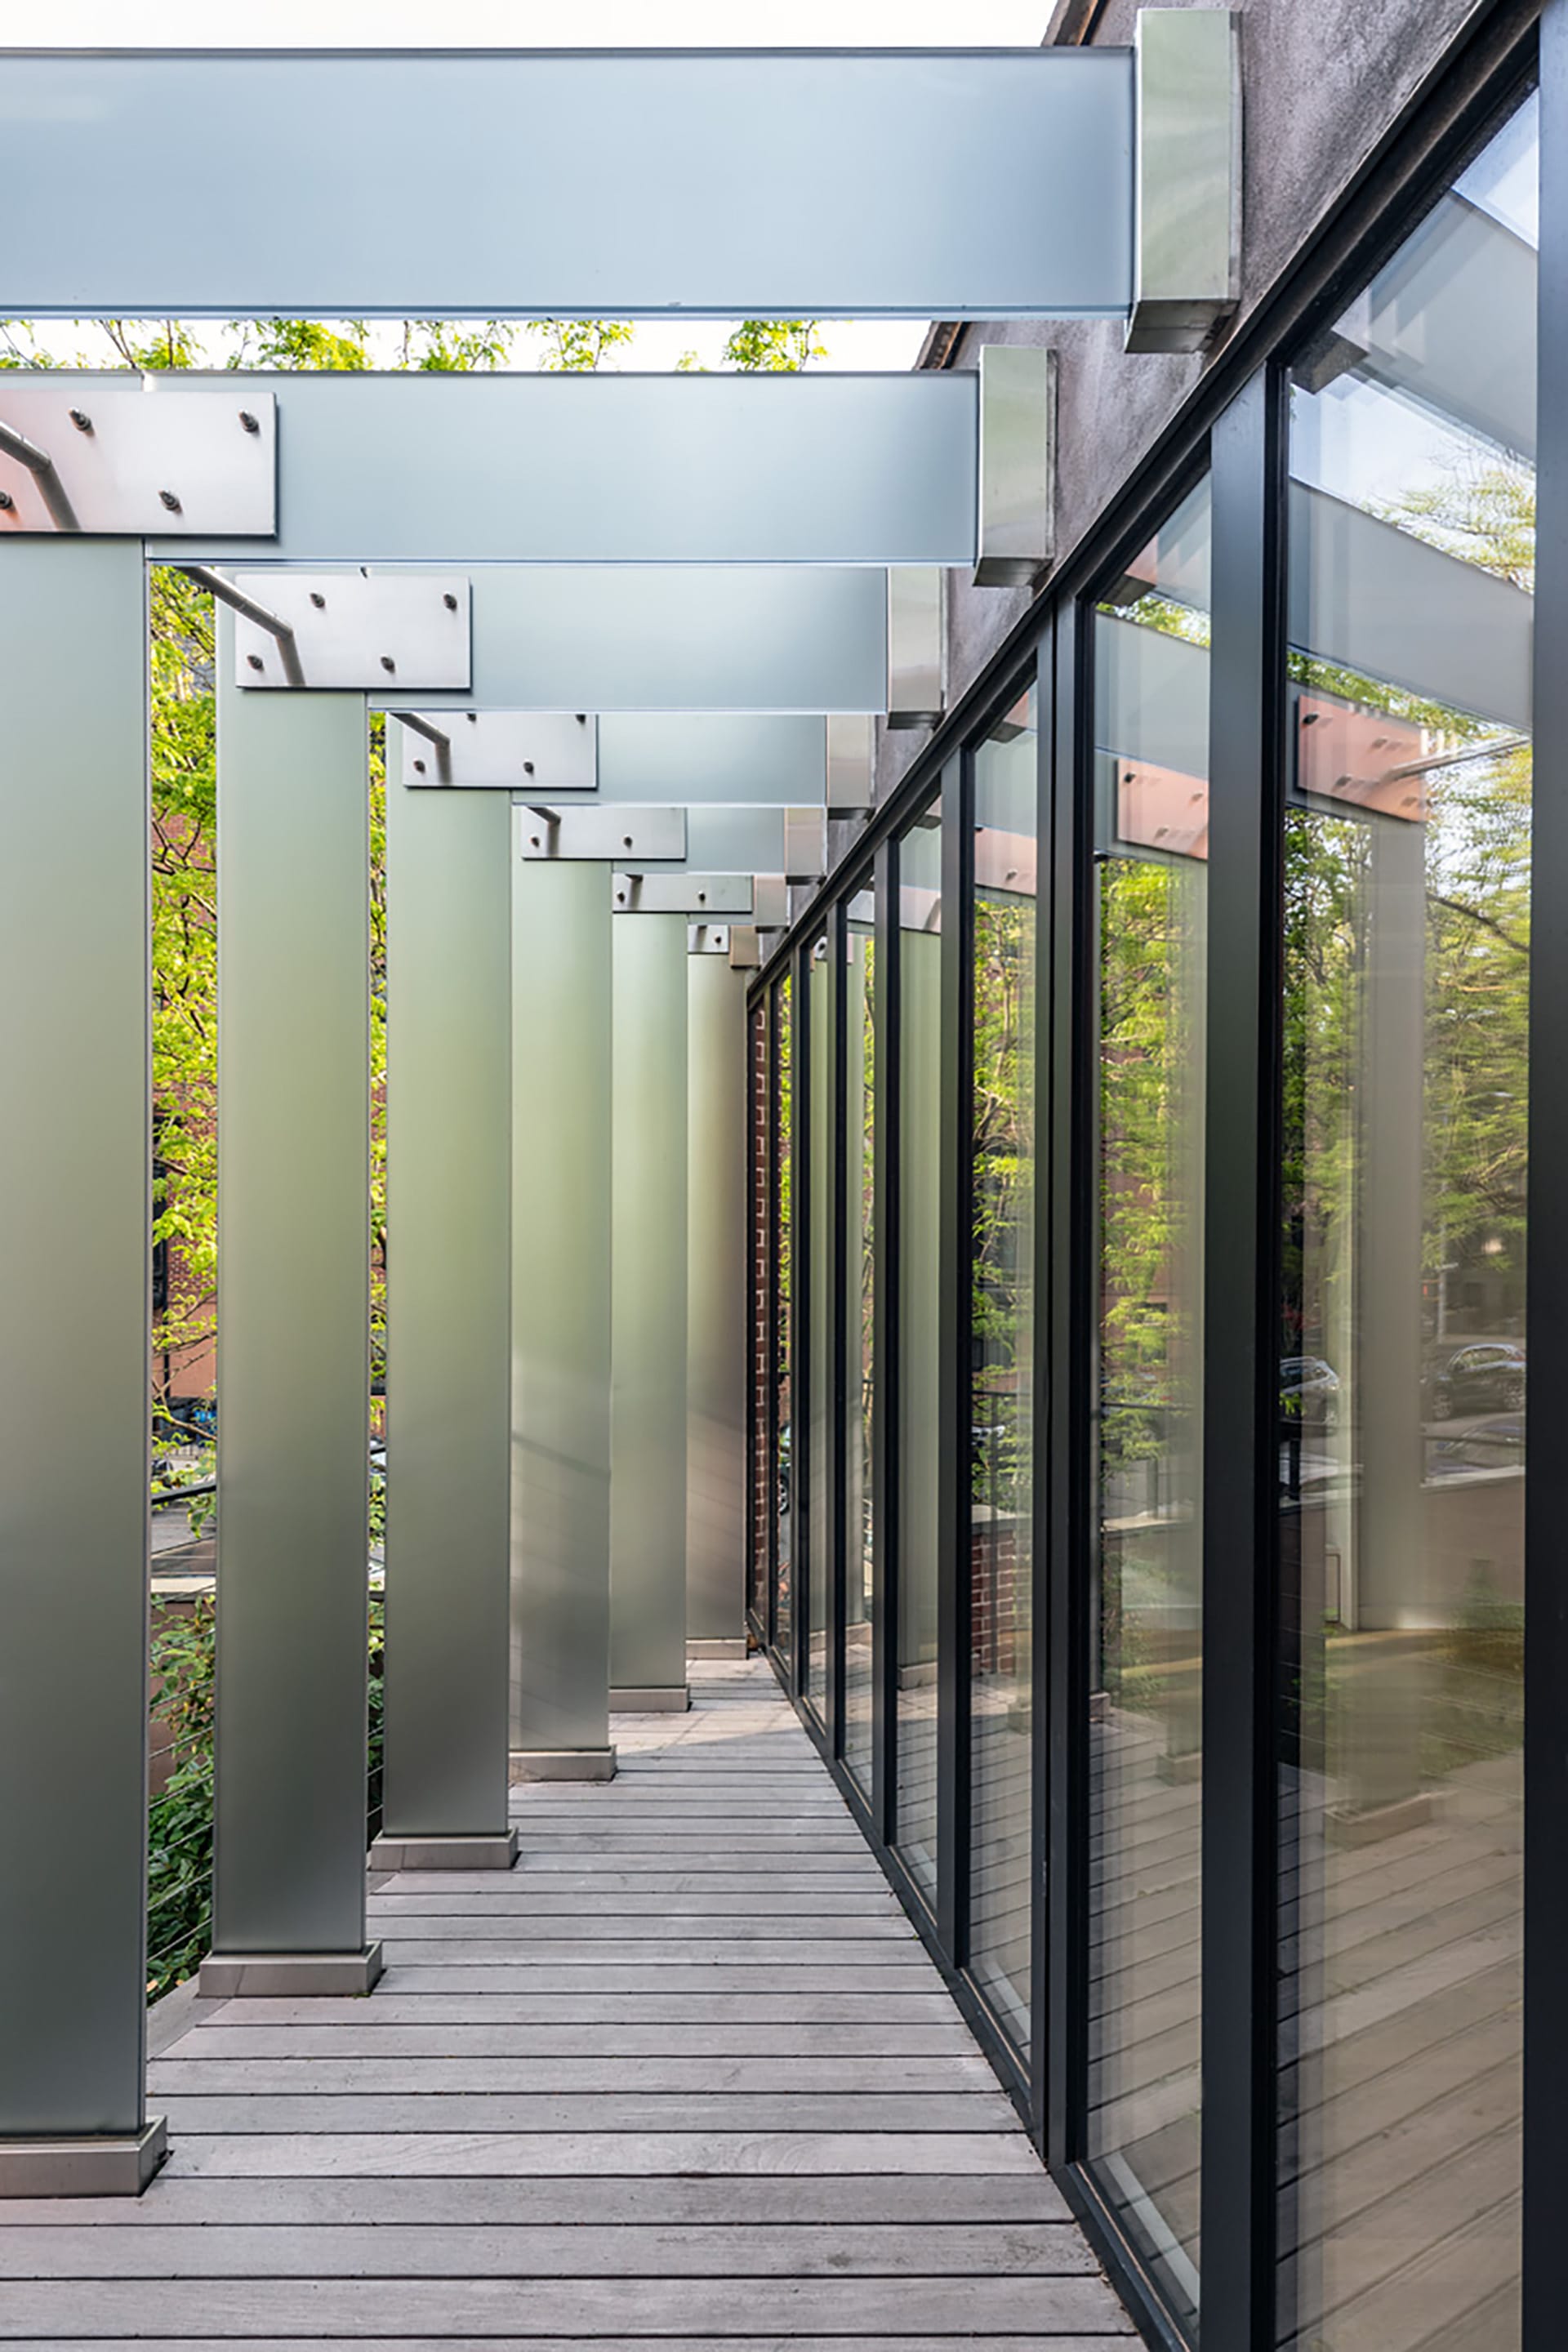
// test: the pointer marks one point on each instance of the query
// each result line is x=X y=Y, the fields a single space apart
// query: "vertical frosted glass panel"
x=819 y=1227
x=561 y=1128
x=861 y=1384
x=1146 y=1760
x=1403 y=1375
x=294 y=1317
x=76 y=1211
x=448 y=1117
x=919 y=1165
x=717 y=1293
x=648 y=1276
x=1002 y=1296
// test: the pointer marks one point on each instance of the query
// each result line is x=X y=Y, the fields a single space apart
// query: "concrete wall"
x=1324 y=82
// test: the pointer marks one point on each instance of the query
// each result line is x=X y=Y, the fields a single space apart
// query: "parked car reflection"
x=1485 y=1376
x=1309 y=1391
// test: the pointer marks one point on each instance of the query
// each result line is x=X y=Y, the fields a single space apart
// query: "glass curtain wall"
x=819 y=1258
x=861 y=1386
x=1150 y=780
x=1404 y=1380
x=918 y=1049
x=1002 y=1484
x=760 y=1466
x=781 y=1207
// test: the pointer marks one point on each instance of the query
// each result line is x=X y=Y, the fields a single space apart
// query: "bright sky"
x=523 y=24
x=550 y=24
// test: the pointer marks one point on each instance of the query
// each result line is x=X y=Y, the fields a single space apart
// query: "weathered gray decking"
x=684 y=2076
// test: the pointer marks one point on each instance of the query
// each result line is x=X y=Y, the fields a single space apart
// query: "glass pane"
x=783 y=1334
x=1151 y=684
x=919 y=1158
x=761 y=1515
x=1002 y=1484
x=1402 y=1385
x=819 y=1208
x=860 y=1206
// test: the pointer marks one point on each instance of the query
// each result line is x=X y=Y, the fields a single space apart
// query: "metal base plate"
x=95 y=2167
x=468 y=1852
x=227 y=1976
x=659 y=1699
x=562 y=1764
x=739 y=1647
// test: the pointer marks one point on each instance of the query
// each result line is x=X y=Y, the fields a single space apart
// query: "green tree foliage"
x=180 y=1818
x=578 y=345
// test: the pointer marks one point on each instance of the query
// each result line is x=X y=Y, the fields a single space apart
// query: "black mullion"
x=885 y=1349
x=1040 y=1377
x=954 y=1374
x=1545 y=2126
x=800 y=1317
x=836 y=1452
x=1067 y=1225
x=1241 y=1366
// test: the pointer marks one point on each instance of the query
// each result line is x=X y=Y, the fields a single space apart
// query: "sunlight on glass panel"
x=919 y=1160
x=1001 y=1483
x=1402 y=1384
x=1152 y=690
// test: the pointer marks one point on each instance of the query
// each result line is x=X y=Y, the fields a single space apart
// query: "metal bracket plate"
x=586 y=833
x=129 y=461
x=770 y=901
x=543 y=751
x=701 y=896
x=708 y=938
x=357 y=632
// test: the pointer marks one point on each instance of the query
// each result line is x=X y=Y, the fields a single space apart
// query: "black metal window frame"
x=1234 y=424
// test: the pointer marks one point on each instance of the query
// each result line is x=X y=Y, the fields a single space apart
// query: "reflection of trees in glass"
x=1147 y=1045
x=1476 y=822
x=1468 y=830
x=1004 y=1146
x=867 y=1208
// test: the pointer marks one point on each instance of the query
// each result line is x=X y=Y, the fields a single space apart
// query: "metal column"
x=561 y=1320
x=293 y=1340
x=75 y=1208
x=448 y=1140
x=648 y=1340
x=717 y=1295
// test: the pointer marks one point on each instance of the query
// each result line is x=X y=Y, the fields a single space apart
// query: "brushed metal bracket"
x=521 y=751
x=353 y=632
x=1016 y=535
x=1186 y=228
x=700 y=896
x=134 y=461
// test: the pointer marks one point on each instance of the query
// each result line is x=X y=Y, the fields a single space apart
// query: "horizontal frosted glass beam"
x=675 y=638
x=985 y=184
x=424 y=468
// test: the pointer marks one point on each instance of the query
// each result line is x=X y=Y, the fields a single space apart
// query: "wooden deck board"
x=686 y=2073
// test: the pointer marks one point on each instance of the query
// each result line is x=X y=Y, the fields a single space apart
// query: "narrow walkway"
x=685 y=2075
